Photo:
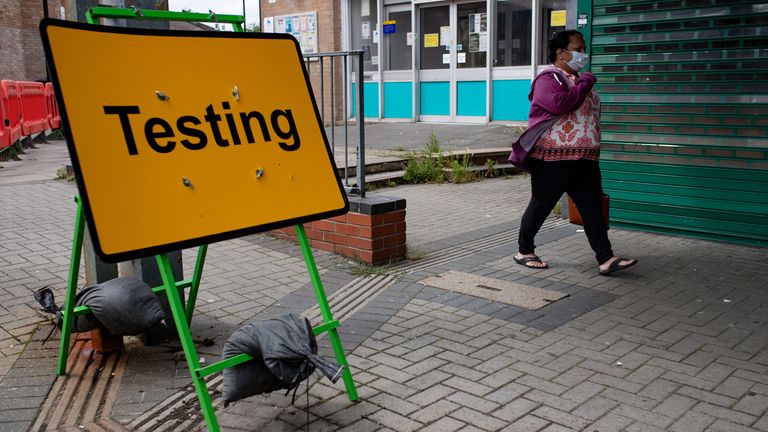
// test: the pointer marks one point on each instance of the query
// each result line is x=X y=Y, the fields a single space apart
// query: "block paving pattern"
x=678 y=343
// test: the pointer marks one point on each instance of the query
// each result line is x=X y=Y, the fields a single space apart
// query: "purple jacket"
x=551 y=96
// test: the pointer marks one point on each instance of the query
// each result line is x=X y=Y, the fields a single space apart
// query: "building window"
x=435 y=27
x=364 y=20
x=513 y=33
x=397 y=25
x=554 y=15
x=472 y=38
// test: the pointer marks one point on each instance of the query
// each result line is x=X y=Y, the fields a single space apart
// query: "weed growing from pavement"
x=64 y=174
x=490 y=169
x=433 y=145
x=427 y=167
x=361 y=268
x=414 y=254
x=424 y=168
x=558 y=210
x=461 y=168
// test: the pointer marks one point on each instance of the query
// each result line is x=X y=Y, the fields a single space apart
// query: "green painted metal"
x=223 y=364
x=325 y=310
x=242 y=358
x=195 y=284
x=322 y=328
x=93 y=14
x=685 y=115
x=180 y=318
x=69 y=300
x=82 y=310
x=584 y=8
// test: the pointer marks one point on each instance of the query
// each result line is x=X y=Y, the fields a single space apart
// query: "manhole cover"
x=494 y=289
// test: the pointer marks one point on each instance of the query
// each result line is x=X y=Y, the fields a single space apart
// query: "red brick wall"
x=21 y=48
x=12 y=64
x=31 y=45
x=375 y=239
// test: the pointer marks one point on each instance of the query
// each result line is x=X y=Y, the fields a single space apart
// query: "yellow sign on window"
x=557 y=18
x=180 y=138
x=431 y=40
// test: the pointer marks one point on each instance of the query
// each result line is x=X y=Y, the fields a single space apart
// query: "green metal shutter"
x=684 y=86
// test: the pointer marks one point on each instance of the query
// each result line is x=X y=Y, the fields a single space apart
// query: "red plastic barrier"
x=52 y=108
x=33 y=112
x=5 y=132
x=12 y=107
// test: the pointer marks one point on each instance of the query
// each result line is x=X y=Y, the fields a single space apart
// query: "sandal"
x=534 y=259
x=616 y=266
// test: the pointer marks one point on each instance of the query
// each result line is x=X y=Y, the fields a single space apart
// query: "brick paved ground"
x=679 y=343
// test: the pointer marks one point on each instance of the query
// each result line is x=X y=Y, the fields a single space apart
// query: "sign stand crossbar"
x=182 y=316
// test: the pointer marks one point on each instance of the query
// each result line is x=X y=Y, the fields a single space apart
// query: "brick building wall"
x=12 y=66
x=21 y=48
x=329 y=39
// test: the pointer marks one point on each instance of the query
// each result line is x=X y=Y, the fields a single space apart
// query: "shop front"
x=453 y=61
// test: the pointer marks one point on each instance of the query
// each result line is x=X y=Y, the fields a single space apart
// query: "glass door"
x=435 y=70
x=398 y=42
x=471 y=75
x=452 y=61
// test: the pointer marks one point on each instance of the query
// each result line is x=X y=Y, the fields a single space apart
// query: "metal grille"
x=684 y=86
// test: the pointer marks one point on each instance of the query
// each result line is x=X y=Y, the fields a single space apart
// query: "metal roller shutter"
x=684 y=86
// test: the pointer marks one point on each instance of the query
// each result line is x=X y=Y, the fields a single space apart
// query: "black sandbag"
x=124 y=306
x=285 y=354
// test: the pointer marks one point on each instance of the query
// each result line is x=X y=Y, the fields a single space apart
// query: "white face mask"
x=578 y=61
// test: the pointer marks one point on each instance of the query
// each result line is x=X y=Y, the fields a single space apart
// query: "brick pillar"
x=373 y=231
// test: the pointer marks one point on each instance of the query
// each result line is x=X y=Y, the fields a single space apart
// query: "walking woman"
x=561 y=148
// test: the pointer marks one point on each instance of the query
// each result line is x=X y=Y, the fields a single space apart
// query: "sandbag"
x=285 y=354
x=123 y=306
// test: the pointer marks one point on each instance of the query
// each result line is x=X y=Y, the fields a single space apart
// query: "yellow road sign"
x=184 y=138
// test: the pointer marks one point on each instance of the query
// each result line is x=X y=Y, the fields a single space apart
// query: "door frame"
x=453 y=73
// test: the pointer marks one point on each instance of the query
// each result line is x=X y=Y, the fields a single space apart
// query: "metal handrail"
x=359 y=188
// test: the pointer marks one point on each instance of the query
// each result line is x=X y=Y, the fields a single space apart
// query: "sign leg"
x=325 y=309
x=192 y=295
x=69 y=301
x=180 y=318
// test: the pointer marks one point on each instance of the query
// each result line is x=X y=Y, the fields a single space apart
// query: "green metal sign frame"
x=93 y=14
x=182 y=316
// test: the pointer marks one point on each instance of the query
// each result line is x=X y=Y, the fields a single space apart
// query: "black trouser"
x=581 y=180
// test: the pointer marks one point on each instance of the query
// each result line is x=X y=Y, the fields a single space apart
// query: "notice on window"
x=461 y=58
x=445 y=35
x=409 y=38
x=366 y=30
x=483 y=42
x=557 y=18
x=478 y=23
x=446 y=58
x=431 y=40
x=478 y=32
x=365 y=8
x=269 y=25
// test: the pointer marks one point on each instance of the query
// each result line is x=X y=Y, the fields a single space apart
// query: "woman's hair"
x=560 y=40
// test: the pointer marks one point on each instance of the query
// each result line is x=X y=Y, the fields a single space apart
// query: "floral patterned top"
x=573 y=136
